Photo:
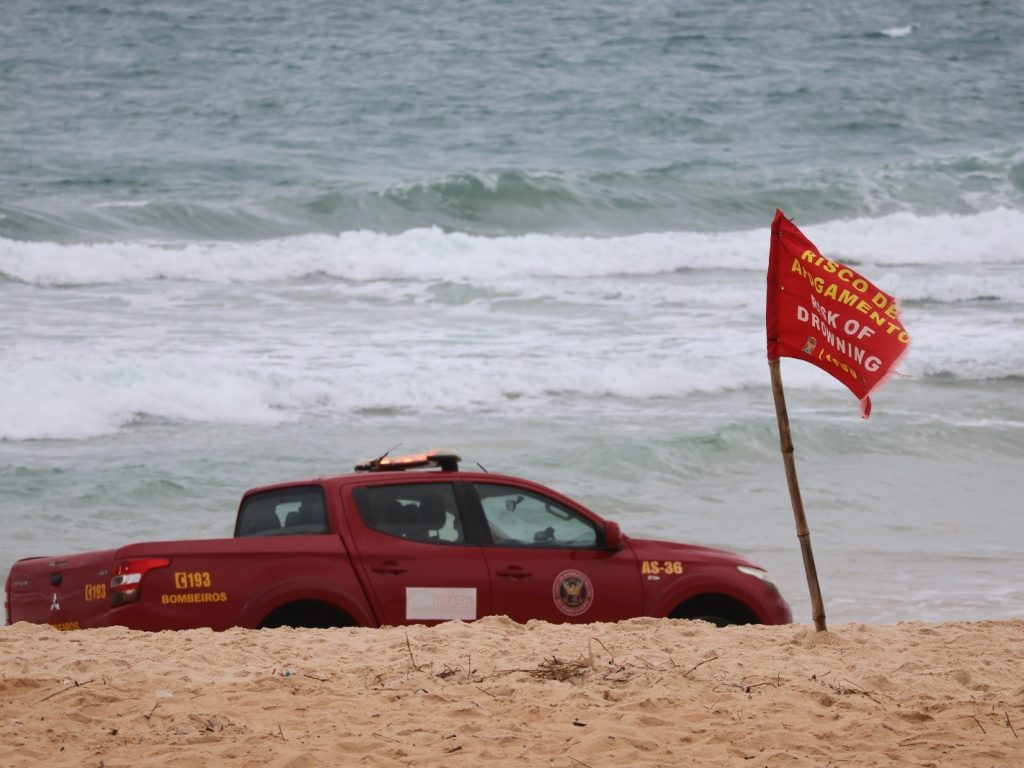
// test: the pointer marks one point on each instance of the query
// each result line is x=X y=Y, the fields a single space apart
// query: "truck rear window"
x=284 y=512
x=424 y=512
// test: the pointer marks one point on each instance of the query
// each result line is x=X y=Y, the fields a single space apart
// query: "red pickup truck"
x=399 y=541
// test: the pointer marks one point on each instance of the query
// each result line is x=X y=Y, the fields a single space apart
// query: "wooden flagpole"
x=802 y=532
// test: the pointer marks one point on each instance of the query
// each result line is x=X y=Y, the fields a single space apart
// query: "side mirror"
x=612 y=536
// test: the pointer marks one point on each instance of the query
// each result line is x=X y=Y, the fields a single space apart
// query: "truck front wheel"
x=719 y=610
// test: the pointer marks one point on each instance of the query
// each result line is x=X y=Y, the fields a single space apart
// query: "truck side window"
x=284 y=512
x=424 y=512
x=521 y=518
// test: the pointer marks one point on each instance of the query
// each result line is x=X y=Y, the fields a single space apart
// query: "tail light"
x=127 y=582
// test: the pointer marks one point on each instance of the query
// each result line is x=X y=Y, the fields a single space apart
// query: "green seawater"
x=248 y=120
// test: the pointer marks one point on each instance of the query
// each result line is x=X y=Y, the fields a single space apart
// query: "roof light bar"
x=447 y=461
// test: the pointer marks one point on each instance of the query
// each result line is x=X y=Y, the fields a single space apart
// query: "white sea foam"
x=427 y=254
x=122 y=204
x=995 y=236
x=992 y=237
x=186 y=360
x=95 y=394
x=898 y=31
x=427 y=321
x=92 y=394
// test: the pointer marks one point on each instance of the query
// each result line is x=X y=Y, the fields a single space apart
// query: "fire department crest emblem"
x=573 y=593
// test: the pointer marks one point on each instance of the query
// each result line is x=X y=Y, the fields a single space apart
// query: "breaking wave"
x=890 y=242
x=698 y=196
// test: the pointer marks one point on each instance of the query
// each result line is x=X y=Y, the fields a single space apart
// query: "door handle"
x=515 y=572
x=388 y=566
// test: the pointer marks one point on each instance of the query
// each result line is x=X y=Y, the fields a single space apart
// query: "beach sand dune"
x=495 y=693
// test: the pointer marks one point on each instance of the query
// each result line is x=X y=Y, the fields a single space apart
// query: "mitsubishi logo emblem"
x=54 y=604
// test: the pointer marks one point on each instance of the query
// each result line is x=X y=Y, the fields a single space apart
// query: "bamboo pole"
x=802 y=532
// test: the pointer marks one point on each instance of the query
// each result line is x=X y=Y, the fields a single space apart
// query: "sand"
x=495 y=693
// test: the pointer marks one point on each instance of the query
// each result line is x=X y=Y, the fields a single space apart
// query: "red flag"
x=825 y=313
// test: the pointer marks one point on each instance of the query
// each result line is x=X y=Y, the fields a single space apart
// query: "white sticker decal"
x=432 y=604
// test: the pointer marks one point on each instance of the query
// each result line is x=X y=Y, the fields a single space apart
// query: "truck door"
x=547 y=561
x=413 y=553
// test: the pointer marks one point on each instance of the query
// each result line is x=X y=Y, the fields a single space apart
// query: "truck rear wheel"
x=307 y=614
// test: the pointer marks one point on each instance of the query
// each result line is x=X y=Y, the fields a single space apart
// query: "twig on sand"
x=447 y=672
x=1012 y=729
x=280 y=730
x=979 y=724
x=412 y=658
x=556 y=669
x=746 y=688
x=149 y=714
x=857 y=689
x=317 y=677
x=710 y=658
x=578 y=762
x=606 y=650
x=62 y=690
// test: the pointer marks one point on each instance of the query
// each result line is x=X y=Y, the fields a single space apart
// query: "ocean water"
x=259 y=241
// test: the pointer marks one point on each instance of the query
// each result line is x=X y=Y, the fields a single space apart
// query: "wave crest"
x=992 y=237
x=698 y=196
